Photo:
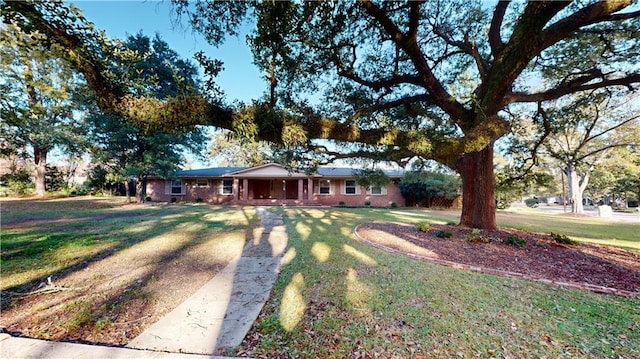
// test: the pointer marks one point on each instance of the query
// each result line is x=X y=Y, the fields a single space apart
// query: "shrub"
x=341 y=204
x=423 y=226
x=477 y=237
x=147 y=199
x=394 y=205
x=452 y=223
x=367 y=203
x=199 y=200
x=428 y=189
x=442 y=234
x=18 y=182
x=515 y=241
x=561 y=238
x=174 y=200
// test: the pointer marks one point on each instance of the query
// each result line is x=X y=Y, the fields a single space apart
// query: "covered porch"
x=272 y=185
x=274 y=191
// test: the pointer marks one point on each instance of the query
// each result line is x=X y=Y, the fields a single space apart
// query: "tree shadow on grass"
x=121 y=303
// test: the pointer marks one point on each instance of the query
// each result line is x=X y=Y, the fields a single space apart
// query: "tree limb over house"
x=417 y=79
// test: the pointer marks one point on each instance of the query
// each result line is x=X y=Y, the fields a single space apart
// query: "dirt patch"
x=532 y=256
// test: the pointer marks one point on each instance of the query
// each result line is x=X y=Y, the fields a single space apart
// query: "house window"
x=176 y=187
x=227 y=186
x=376 y=190
x=350 y=187
x=202 y=182
x=324 y=187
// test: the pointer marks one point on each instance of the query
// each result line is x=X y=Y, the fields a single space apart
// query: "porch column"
x=300 y=189
x=310 y=188
x=236 y=193
x=245 y=189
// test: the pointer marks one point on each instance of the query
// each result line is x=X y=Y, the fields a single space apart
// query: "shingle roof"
x=208 y=172
x=322 y=171
x=349 y=172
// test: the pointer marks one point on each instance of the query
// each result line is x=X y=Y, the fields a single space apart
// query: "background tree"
x=36 y=101
x=227 y=150
x=392 y=72
x=586 y=130
x=624 y=167
x=134 y=150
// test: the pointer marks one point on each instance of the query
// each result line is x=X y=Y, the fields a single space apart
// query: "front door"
x=291 y=189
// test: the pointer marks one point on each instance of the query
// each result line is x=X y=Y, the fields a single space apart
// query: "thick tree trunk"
x=40 y=161
x=478 y=189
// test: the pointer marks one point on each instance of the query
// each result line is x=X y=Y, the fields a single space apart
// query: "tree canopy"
x=134 y=150
x=395 y=80
x=36 y=102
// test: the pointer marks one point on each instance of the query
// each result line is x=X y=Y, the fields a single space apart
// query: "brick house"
x=272 y=184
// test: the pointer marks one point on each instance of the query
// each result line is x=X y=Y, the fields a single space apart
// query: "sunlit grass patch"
x=358 y=299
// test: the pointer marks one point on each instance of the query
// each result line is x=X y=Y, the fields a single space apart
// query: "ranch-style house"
x=272 y=184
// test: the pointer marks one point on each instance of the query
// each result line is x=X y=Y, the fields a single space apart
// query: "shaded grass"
x=338 y=297
x=115 y=264
x=92 y=229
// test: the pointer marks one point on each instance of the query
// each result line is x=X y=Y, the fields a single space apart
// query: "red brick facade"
x=271 y=185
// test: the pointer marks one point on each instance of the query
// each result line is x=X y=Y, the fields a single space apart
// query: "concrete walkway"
x=217 y=316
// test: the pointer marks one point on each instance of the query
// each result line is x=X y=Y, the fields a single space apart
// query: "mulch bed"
x=586 y=266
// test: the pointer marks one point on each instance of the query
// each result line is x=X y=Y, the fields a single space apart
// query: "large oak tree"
x=433 y=80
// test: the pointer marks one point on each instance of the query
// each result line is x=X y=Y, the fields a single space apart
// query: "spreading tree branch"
x=410 y=46
x=495 y=40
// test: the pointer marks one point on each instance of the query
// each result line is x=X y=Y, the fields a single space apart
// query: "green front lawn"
x=338 y=297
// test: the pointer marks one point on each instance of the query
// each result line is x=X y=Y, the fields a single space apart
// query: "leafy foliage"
x=390 y=80
x=36 y=101
x=515 y=241
x=227 y=150
x=18 y=181
x=442 y=234
x=427 y=188
x=476 y=236
x=129 y=149
x=371 y=178
x=562 y=238
x=423 y=226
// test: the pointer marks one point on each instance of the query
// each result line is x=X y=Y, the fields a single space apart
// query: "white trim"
x=221 y=187
x=198 y=181
x=355 y=187
x=168 y=187
x=331 y=190
x=383 y=191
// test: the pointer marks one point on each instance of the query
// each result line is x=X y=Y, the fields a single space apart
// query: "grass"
x=338 y=297
x=117 y=261
x=91 y=229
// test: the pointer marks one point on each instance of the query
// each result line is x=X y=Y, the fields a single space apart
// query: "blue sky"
x=240 y=79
